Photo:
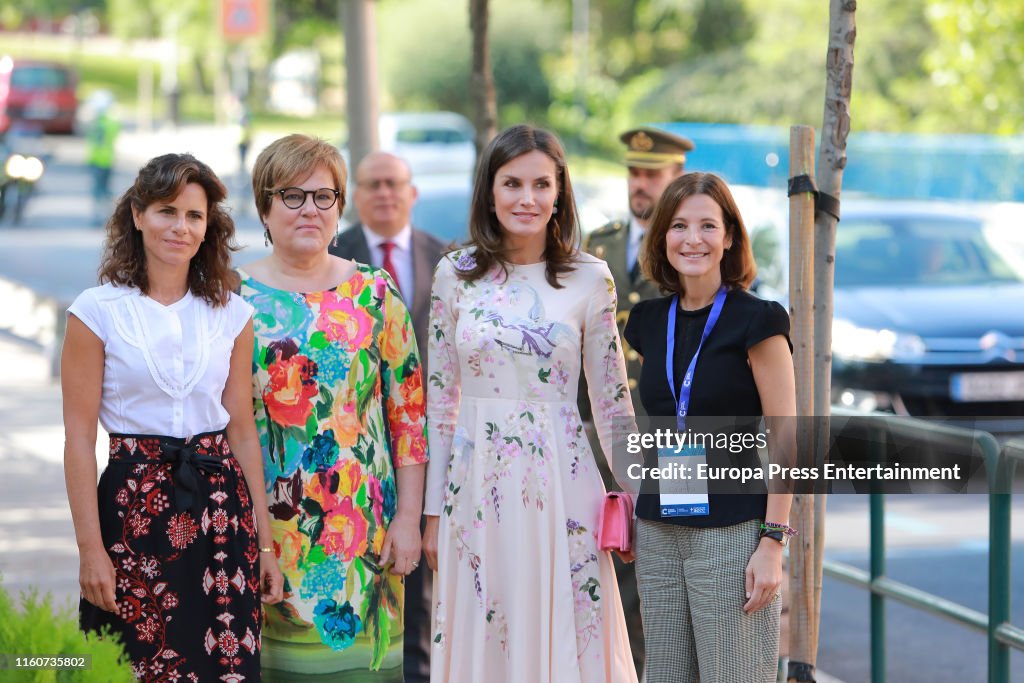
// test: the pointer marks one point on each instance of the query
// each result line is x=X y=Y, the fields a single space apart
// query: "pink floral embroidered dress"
x=522 y=591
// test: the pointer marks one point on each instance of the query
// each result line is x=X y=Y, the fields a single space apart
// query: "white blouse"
x=164 y=367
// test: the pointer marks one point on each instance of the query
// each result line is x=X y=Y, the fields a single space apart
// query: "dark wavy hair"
x=210 y=276
x=738 y=267
x=486 y=233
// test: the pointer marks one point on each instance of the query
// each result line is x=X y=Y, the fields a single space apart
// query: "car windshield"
x=917 y=251
x=39 y=78
x=426 y=136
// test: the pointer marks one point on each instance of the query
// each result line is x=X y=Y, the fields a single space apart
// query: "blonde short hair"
x=291 y=159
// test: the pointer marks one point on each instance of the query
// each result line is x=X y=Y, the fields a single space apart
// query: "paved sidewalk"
x=37 y=542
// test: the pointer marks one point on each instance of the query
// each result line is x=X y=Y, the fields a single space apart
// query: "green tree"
x=978 y=61
x=13 y=13
x=433 y=71
x=778 y=76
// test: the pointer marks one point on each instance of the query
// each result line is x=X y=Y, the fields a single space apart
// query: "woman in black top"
x=709 y=570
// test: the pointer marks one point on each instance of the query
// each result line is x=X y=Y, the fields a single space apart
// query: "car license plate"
x=987 y=386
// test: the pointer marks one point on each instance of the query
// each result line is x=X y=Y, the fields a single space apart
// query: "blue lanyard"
x=683 y=402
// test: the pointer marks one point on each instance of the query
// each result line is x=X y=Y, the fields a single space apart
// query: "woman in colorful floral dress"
x=339 y=405
x=159 y=354
x=513 y=493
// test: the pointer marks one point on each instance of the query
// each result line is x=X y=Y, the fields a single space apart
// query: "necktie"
x=634 y=272
x=389 y=265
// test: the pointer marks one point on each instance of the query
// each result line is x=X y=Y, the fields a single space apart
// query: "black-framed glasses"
x=295 y=197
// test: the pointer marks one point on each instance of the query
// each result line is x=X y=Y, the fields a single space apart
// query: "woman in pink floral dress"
x=513 y=493
x=339 y=406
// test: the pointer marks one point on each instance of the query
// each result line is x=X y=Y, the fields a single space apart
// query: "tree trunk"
x=360 y=79
x=481 y=86
x=801 y=309
x=829 y=179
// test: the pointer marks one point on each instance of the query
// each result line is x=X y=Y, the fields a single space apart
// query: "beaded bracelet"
x=784 y=528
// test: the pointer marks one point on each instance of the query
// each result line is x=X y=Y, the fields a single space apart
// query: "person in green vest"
x=99 y=152
x=654 y=158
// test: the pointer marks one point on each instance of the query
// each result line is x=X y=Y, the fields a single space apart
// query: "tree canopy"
x=922 y=65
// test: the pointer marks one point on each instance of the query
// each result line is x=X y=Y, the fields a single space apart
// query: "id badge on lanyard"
x=685 y=495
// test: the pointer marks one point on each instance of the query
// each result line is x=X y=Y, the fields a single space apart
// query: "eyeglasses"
x=389 y=183
x=295 y=197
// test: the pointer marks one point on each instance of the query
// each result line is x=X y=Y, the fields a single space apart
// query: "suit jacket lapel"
x=422 y=272
x=353 y=243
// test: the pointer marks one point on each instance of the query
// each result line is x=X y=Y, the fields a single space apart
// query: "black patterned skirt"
x=177 y=521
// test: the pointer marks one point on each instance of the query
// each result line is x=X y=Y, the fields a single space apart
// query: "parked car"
x=928 y=313
x=292 y=83
x=38 y=92
x=438 y=142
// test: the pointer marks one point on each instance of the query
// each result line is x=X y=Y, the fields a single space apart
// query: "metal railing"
x=1000 y=467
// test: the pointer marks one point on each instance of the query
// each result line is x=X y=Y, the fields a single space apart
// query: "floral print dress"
x=339 y=407
x=522 y=591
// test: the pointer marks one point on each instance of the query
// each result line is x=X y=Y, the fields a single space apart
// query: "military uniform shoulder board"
x=609 y=229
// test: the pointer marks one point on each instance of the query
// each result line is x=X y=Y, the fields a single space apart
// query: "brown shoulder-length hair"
x=738 y=267
x=486 y=233
x=210 y=276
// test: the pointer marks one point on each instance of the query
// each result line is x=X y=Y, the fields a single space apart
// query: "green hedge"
x=31 y=626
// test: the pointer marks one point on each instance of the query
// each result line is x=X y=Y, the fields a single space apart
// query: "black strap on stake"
x=822 y=201
x=800 y=672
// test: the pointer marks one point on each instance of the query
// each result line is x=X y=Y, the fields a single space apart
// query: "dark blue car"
x=928 y=310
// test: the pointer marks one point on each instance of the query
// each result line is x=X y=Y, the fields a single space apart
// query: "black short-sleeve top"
x=723 y=385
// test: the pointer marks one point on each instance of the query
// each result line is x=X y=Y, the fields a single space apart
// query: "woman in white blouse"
x=170 y=544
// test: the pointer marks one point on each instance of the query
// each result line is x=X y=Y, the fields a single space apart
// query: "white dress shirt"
x=401 y=257
x=164 y=367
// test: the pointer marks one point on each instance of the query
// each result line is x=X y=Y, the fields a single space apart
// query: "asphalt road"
x=938 y=544
x=56 y=248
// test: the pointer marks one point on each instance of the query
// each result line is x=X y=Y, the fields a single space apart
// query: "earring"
x=334 y=242
x=266 y=235
x=555 y=209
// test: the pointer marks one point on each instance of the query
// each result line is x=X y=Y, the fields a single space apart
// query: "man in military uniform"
x=654 y=158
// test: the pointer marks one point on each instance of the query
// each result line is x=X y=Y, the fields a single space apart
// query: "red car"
x=37 y=92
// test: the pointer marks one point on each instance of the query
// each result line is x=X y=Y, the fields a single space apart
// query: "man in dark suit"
x=384 y=197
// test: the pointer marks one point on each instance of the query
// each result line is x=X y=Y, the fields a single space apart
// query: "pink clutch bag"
x=615 y=523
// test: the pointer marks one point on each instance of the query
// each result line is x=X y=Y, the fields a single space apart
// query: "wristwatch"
x=775 y=535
